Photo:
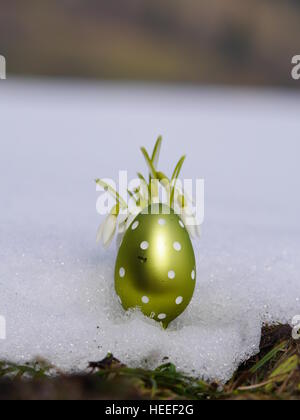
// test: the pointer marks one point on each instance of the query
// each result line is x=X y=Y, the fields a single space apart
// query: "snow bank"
x=56 y=284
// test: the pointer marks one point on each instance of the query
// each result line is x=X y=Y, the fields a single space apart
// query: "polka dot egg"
x=155 y=268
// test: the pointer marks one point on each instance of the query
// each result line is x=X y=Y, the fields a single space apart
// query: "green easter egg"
x=155 y=268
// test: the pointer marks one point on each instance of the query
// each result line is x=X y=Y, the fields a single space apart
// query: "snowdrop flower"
x=122 y=223
x=121 y=228
x=190 y=223
x=107 y=230
x=184 y=203
x=120 y=237
x=99 y=233
x=189 y=218
x=198 y=230
x=130 y=219
x=123 y=213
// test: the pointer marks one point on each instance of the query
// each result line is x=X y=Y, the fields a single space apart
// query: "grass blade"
x=267 y=357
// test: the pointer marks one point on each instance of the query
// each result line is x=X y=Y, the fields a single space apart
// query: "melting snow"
x=56 y=284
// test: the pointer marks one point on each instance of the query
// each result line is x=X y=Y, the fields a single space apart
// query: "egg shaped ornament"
x=155 y=267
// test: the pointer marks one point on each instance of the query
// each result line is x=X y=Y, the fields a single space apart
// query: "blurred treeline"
x=214 y=41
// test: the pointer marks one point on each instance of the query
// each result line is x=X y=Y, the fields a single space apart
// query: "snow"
x=56 y=284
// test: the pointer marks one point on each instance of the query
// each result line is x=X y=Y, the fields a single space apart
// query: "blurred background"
x=235 y=42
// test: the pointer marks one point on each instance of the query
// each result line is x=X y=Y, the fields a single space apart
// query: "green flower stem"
x=175 y=176
x=149 y=162
x=114 y=193
x=115 y=210
x=145 y=191
x=131 y=194
x=156 y=152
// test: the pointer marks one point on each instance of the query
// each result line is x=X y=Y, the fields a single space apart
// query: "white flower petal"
x=99 y=232
x=109 y=230
x=120 y=237
x=122 y=229
x=192 y=231
x=123 y=218
x=191 y=228
x=199 y=231
x=122 y=226
x=130 y=219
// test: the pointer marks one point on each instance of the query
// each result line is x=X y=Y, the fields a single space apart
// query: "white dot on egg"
x=193 y=275
x=144 y=245
x=179 y=300
x=161 y=222
x=135 y=225
x=145 y=299
x=120 y=300
x=181 y=223
x=122 y=272
x=171 y=274
x=177 y=246
x=162 y=316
